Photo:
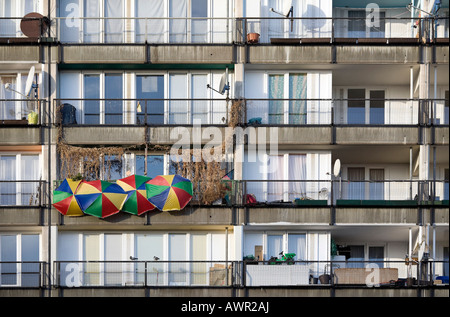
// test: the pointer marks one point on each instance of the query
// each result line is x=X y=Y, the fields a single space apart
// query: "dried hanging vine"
x=207 y=175
x=84 y=162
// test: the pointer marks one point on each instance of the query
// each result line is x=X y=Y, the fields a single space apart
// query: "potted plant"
x=253 y=38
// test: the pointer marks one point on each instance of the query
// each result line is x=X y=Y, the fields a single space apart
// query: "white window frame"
x=102 y=110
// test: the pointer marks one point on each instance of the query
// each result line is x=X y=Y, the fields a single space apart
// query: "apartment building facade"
x=339 y=111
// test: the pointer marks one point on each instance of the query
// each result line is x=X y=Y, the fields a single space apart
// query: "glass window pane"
x=7 y=173
x=356 y=255
x=113 y=26
x=155 y=165
x=148 y=88
x=149 y=247
x=199 y=9
x=297 y=245
x=30 y=253
x=113 y=90
x=199 y=107
x=91 y=29
x=274 y=245
x=178 y=27
x=297 y=90
x=92 y=91
x=376 y=255
x=356 y=112
x=113 y=167
x=177 y=252
x=8 y=253
x=29 y=171
x=178 y=109
x=357 y=23
x=276 y=91
x=377 y=107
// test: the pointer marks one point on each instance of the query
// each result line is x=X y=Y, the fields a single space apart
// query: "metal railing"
x=142 y=111
x=23 y=193
x=340 y=192
x=22 y=274
x=274 y=112
x=273 y=272
x=22 y=111
x=180 y=30
x=144 y=273
x=10 y=27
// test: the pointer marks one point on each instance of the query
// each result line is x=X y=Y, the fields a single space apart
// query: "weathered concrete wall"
x=377 y=135
x=166 y=54
x=285 y=215
x=23 y=53
x=111 y=135
x=102 y=54
x=26 y=135
x=21 y=216
x=376 y=215
x=377 y=54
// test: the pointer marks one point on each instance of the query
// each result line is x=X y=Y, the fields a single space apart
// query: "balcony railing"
x=21 y=111
x=23 y=193
x=341 y=192
x=274 y=112
x=10 y=28
x=22 y=274
x=275 y=272
x=142 y=111
x=207 y=30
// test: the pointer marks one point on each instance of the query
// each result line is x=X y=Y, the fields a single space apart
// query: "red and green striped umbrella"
x=136 y=202
x=169 y=192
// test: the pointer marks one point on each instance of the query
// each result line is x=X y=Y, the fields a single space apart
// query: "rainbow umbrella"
x=100 y=198
x=64 y=198
x=169 y=192
x=136 y=202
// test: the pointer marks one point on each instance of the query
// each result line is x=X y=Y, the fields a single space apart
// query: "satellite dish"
x=29 y=81
x=34 y=25
x=287 y=9
x=337 y=168
x=224 y=83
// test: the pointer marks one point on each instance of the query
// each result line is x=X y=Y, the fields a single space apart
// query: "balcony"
x=113 y=274
x=25 y=193
x=11 y=29
x=22 y=274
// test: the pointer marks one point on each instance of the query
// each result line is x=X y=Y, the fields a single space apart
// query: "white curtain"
x=114 y=26
x=7 y=173
x=297 y=245
x=91 y=25
x=297 y=173
x=29 y=166
x=178 y=109
x=199 y=107
x=69 y=26
x=178 y=27
x=8 y=108
x=150 y=30
x=274 y=245
x=177 y=252
x=275 y=175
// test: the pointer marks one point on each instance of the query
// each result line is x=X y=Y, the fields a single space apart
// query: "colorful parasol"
x=64 y=198
x=136 y=202
x=100 y=198
x=169 y=192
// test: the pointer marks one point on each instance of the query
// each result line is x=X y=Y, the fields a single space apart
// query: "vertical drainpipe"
x=49 y=155
x=410 y=172
x=226 y=253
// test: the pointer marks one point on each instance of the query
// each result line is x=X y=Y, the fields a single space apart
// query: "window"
x=150 y=87
x=362 y=111
x=109 y=29
x=113 y=90
x=356 y=255
x=446 y=266
x=376 y=256
x=295 y=110
x=180 y=29
x=17 y=248
x=356 y=185
x=155 y=165
x=178 y=109
x=376 y=185
x=358 y=28
x=150 y=30
x=15 y=9
x=446 y=182
x=92 y=91
x=112 y=168
x=98 y=87
x=446 y=107
x=356 y=113
x=148 y=248
x=16 y=168
x=177 y=252
x=199 y=27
